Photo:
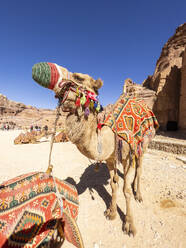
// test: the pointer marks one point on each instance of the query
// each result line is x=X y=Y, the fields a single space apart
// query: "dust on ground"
x=160 y=220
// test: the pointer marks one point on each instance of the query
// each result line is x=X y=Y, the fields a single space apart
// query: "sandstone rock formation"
x=182 y=107
x=132 y=89
x=168 y=83
x=19 y=115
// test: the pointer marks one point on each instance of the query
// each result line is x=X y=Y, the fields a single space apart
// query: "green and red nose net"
x=46 y=74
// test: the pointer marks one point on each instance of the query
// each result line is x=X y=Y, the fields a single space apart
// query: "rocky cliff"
x=168 y=83
x=19 y=115
x=132 y=89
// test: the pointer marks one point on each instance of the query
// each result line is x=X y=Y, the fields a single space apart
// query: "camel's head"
x=64 y=83
x=52 y=76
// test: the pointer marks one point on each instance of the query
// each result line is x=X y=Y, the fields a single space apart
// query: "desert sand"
x=160 y=219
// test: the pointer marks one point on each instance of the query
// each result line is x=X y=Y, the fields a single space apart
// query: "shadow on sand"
x=92 y=180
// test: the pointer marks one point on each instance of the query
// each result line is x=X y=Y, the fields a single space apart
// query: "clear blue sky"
x=111 y=40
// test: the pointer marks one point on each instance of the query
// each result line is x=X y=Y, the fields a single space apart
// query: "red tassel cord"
x=78 y=102
x=87 y=102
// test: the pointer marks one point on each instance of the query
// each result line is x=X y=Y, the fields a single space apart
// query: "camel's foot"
x=128 y=227
x=137 y=196
x=110 y=214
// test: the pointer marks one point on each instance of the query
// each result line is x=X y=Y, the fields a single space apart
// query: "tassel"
x=91 y=105
x=95 y=105
x=99 y=126
x=120 y=145
x=87 y=102
x=87 y=112
x=77 y=91
x=83 y=100
x=78 y=102
x=98 y=107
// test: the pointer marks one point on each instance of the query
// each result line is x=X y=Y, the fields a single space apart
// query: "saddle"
x=133 y=121
x=31 y=216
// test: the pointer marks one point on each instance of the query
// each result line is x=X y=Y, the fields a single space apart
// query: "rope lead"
x=50 y=166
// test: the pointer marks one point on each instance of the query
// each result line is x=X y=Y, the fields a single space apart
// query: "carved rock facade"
x=168 y=83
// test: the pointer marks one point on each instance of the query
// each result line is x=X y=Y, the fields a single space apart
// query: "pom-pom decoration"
x=92 y=96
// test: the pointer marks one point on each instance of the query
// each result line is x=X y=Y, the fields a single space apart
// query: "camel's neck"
x=83 y=133
x=80 y=129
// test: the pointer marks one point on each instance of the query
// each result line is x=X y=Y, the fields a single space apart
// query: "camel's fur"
x=83 y=133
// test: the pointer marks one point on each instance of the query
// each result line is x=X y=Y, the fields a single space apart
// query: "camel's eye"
x=78 y=78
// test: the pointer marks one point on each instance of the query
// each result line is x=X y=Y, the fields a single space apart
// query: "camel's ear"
x=97 y=84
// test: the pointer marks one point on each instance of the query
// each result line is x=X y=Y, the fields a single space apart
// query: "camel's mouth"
x=65 y=87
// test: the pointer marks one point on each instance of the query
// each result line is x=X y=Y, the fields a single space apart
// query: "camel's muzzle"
x=50 y=76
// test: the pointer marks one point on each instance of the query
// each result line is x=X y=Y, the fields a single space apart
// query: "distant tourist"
x=46 y=131
x=31 y=128
x=46 y=128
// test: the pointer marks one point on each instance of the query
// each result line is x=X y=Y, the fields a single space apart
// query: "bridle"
x=84 y=97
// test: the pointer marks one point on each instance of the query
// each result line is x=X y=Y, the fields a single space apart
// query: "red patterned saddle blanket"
x=132 y=120
x=30 y=212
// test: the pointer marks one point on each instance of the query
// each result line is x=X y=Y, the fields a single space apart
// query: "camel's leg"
x=110 y=213
x=127 y=190
x=136 y=184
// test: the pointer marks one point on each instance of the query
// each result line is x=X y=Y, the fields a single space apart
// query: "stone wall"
x=176 y=148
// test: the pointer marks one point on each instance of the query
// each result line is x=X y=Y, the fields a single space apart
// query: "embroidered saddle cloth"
x=30 y=211
x=132 y=120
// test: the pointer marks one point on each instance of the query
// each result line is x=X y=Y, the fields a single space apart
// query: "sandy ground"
x=160 y=220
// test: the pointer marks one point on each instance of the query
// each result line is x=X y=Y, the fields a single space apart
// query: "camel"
x=28 y=137
x=31 y=137
x=82 y=130
x=61 y=137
